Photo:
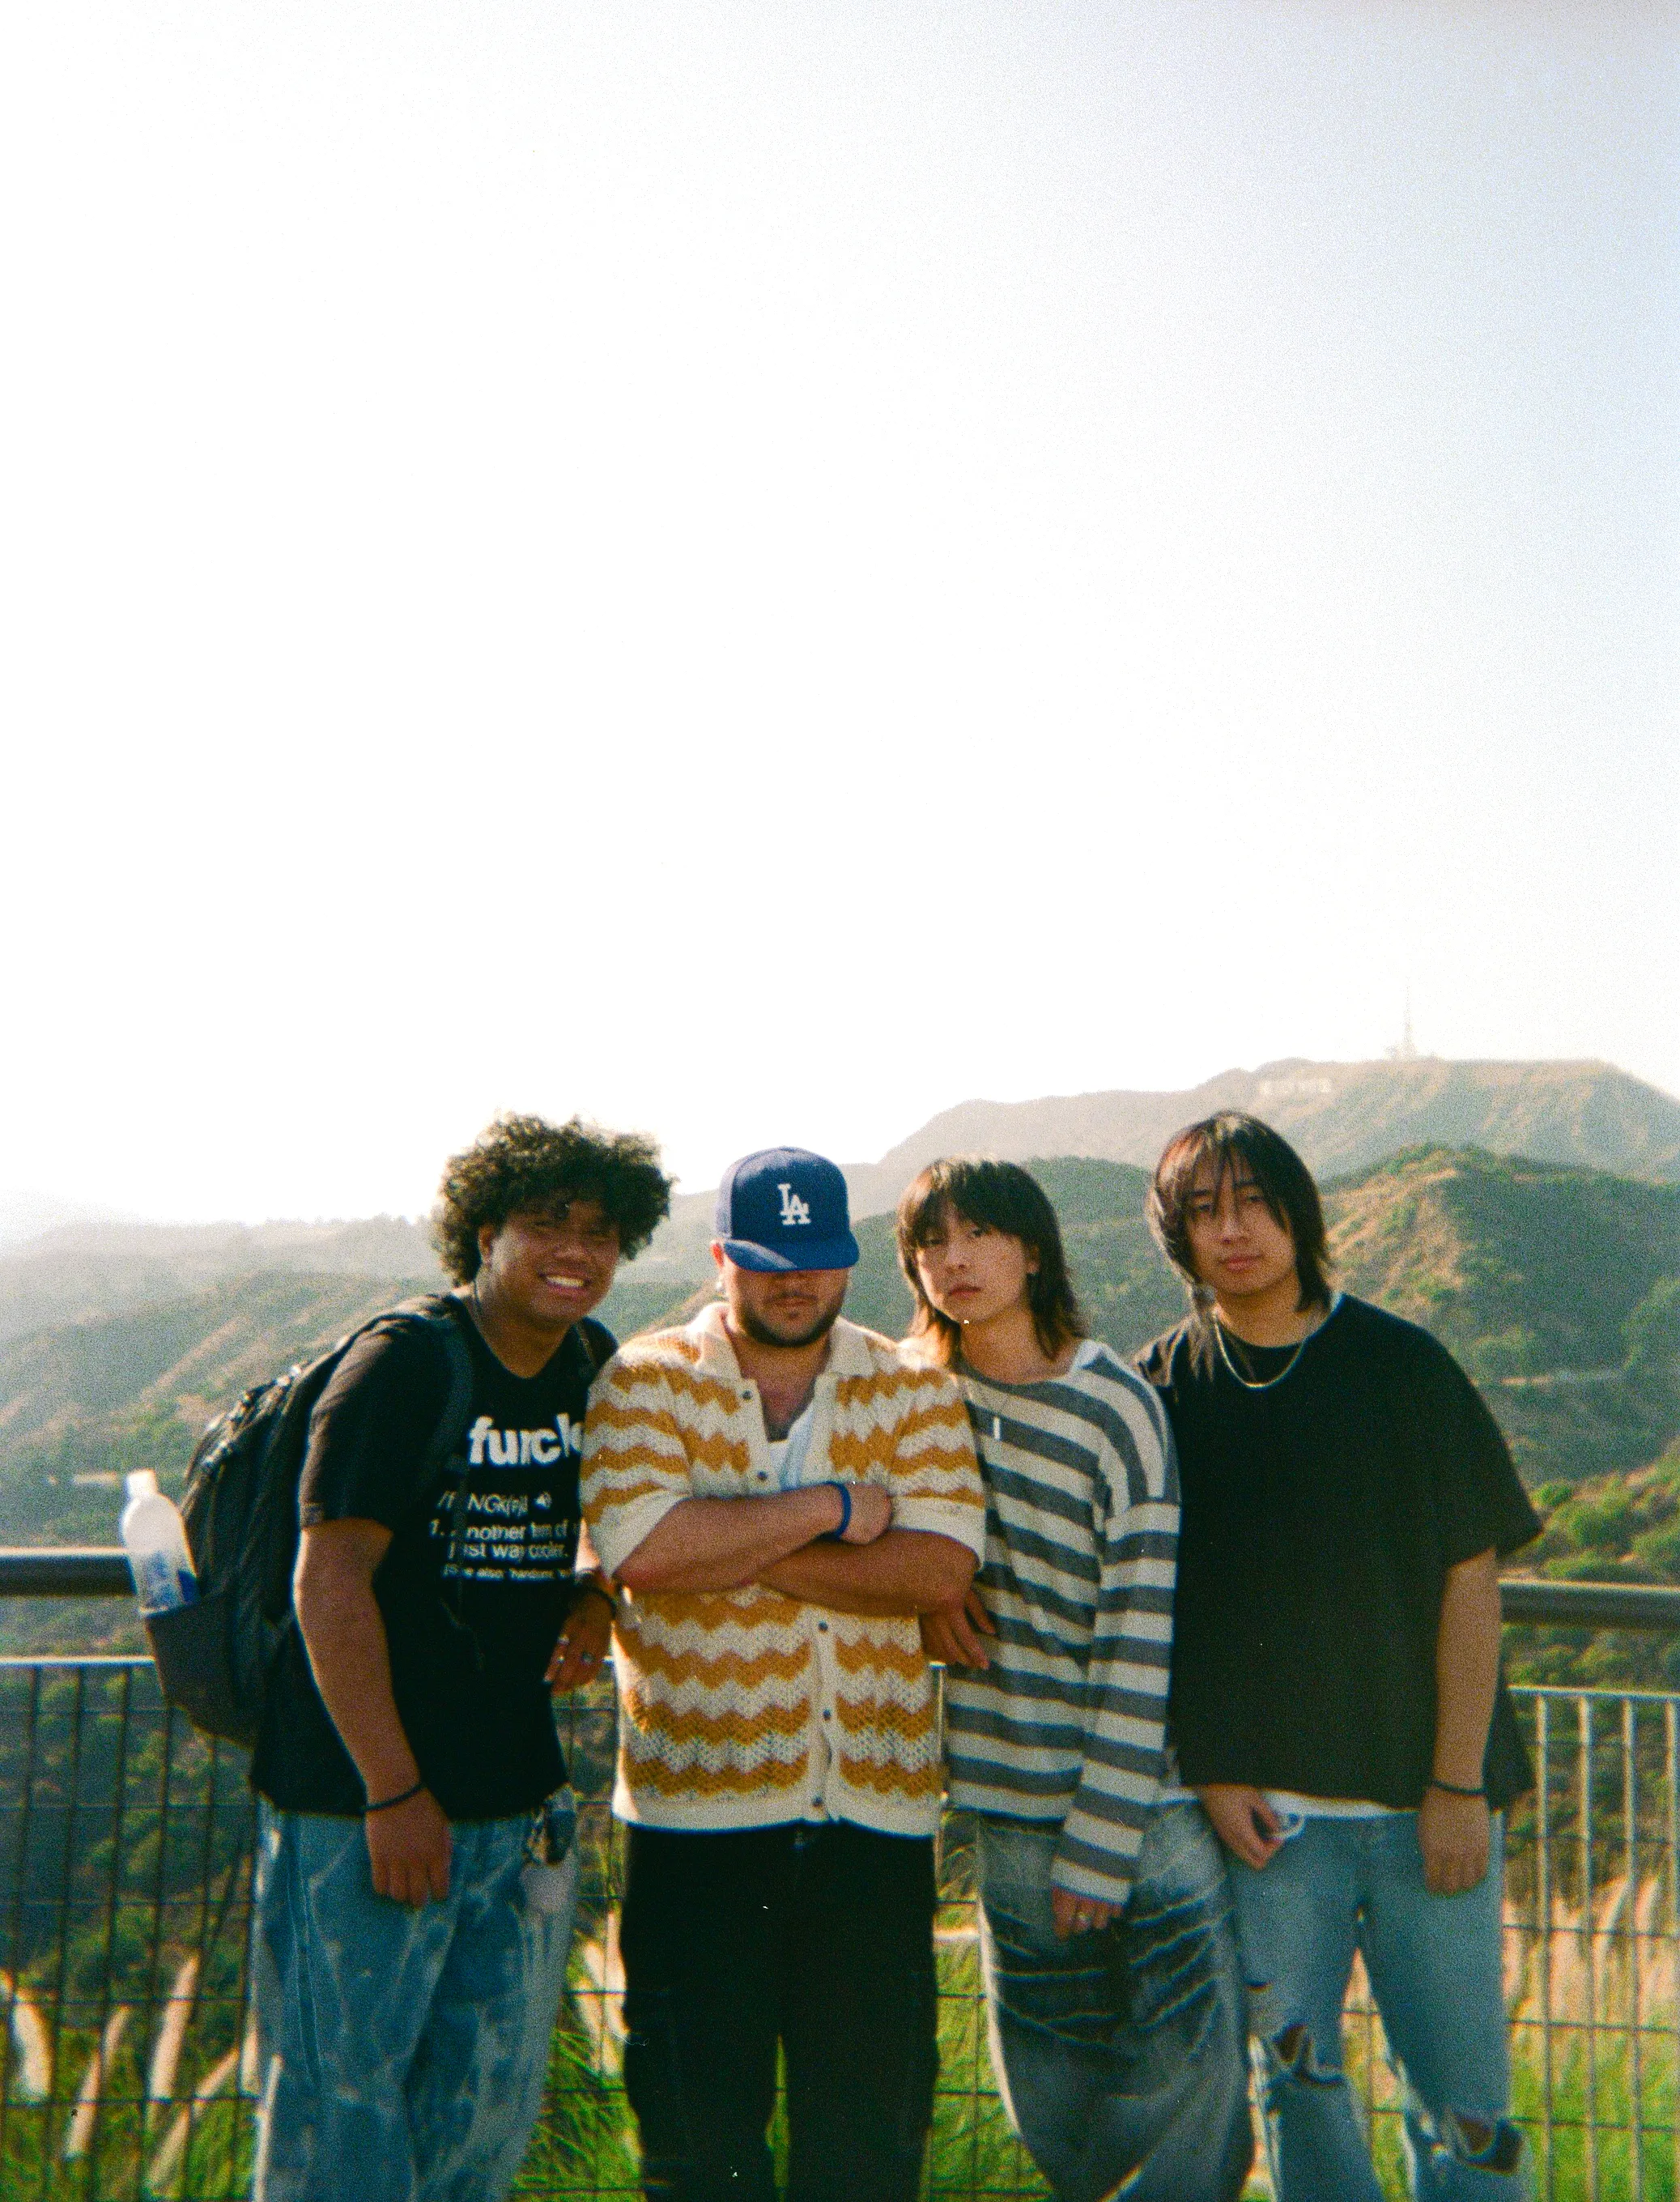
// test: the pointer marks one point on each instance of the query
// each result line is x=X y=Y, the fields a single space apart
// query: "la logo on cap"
x=785 y=1207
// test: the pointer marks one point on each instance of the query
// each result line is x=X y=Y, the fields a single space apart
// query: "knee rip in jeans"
x=1481 y=2144
x=1290 y=2051
x=1295 y=2057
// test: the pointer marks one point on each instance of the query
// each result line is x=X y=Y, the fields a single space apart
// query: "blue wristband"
x=837 y=1536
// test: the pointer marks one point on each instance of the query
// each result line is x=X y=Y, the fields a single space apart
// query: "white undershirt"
x=789 y=1454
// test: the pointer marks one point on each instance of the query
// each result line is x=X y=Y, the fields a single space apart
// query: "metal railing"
x=128 y=2063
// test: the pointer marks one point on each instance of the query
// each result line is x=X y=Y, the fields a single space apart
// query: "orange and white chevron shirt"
x=744 y=1708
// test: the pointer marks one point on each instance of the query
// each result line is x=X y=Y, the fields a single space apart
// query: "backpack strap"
x=598 y=1342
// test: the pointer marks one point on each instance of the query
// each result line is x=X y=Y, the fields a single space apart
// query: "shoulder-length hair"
x=1285 y=1184
x=998 y=1197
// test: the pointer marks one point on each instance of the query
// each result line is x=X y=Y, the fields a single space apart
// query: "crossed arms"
x=781 y=1541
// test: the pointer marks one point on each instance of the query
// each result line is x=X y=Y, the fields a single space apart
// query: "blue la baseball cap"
x=785 y=1207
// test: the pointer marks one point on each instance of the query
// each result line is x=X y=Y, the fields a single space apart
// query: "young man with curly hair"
x=1336 y=1703
x=415 y=1876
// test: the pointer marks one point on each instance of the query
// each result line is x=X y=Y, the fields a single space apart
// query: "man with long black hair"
x=1336 y=1703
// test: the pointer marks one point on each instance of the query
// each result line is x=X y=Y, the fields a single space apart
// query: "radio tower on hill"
x=1407 y=1050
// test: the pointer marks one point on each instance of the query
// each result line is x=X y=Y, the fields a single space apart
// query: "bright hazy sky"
x=758 y=570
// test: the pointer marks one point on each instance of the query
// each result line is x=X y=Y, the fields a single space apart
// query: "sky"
x=759 y=570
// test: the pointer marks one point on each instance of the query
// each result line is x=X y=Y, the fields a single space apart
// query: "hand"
x=871 y=1514
x=582 y=1644
x=1078 y=1915
x=1454 y=1834
x=955 y=1634
x=1243 y=1822
x=409 y=1849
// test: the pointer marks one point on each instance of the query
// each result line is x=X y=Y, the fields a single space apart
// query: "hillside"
x=1619 y=1529
x=1559 y=1289
x=79 y=1271
x=1522 y=1268
x=1547 y=1283
x=1343 y=1116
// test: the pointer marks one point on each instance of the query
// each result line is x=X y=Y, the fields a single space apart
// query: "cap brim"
x=822 y=1254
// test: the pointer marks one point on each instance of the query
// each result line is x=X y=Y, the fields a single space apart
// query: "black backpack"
x=214 y=1658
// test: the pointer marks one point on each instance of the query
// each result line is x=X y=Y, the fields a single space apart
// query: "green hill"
x=1551 y=1285
x=1559 y=1288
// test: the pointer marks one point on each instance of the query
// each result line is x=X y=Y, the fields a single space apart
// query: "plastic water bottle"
x=152 y=1532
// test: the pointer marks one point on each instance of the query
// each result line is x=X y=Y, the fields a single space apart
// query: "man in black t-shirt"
x=1337 y=1701
x=415 y=1875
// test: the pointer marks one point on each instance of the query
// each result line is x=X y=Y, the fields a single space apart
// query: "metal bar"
x=61 y=1942
x=15 y=1932
x=93 y=2183
x=101 y=1571
x=1592 y=1605
x=1630 y=1947
x=1584 y=1714
x=65 y=1571
x=155 y=2009
x=1542 y=1882
x=1672 y=1754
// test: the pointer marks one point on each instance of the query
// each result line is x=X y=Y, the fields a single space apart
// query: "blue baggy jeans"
x=1118 y=2053
x=402 y=2052
x=1434 y=1964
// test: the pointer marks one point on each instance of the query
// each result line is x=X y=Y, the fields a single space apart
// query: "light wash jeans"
x=1434 y=1964
x=1118 y=2054
x=402 y=2052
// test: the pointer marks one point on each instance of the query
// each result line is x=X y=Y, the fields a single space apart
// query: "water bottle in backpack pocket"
x=154 y=1539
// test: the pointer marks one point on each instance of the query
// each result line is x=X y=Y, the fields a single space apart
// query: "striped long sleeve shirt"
x=1082 y=1533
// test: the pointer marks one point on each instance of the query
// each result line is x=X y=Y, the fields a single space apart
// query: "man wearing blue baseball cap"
x=780 y=1495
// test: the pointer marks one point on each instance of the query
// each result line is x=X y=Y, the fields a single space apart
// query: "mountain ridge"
x=1343 y=1116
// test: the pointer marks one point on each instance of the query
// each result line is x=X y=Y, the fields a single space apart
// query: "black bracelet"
x=837 y=1536
x=386 y=1804
x=1451 y=1788
x=587 y=1583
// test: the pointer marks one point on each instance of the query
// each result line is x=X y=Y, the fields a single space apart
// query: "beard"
x=762 y=1334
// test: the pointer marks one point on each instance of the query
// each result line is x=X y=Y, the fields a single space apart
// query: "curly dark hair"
x=525 y=1163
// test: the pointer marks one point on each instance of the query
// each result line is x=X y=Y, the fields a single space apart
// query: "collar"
x=849 y=1353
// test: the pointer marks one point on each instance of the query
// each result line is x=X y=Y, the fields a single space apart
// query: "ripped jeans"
x=1118 y=2053
x=1434 y=1964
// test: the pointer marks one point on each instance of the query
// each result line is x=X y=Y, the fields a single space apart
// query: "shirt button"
x=762 y=1474
x=826 y=1714
x=822 y=1627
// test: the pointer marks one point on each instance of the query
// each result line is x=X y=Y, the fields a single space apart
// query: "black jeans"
x=819 y=1936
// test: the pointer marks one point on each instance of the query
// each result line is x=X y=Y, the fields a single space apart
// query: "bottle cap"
x=139 y=1483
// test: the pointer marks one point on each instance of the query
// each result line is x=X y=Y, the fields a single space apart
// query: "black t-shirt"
x=472 y=1595
x=1321 y=1516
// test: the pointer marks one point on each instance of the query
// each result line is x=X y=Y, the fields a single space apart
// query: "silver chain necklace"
x=1255 y=1383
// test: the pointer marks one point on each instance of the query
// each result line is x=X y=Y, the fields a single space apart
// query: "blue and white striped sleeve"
x=1129 y=1668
